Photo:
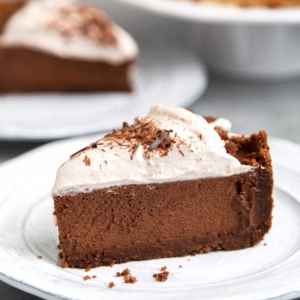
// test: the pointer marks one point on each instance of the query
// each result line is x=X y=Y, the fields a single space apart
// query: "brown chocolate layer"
x=139 y=222
x=24 y=70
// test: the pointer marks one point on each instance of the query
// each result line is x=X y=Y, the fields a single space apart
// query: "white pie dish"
x=245 y=43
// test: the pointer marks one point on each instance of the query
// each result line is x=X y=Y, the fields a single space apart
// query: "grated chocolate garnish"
x=87 y=278
x=39 y=257
x=83 y=20
x=111 y=285
x=78 y=152
x=163 y=268
x=87 y=161
x=181 y=152
x=94 y=145
x=143 y=133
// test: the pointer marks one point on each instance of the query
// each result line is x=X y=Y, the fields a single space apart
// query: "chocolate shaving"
x=87 y=278
x=87 y=161
x=111 y=285
x=78 y=152
x=94 y=145
x=143 y=133
x=83 y=20
x=181 y=152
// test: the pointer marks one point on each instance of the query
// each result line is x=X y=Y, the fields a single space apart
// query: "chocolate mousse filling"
x=26 y=70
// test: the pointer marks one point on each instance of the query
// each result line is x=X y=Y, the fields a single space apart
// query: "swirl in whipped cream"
x=170 y=144
x=69 y=30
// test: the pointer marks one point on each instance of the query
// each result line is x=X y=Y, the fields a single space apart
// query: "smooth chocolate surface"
x=24 y=70
x=139 y=222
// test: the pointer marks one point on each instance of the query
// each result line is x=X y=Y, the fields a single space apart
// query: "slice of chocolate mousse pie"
x=172 y=184
x=63 y=46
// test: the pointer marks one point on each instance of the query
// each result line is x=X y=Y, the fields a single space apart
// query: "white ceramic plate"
x=26 y=231
x=168 y=73
x=216 y=13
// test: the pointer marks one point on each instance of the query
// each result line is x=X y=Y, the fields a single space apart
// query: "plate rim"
x=217 y=14
x=12 y=163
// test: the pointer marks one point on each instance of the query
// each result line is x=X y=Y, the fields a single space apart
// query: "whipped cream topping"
x=69 y=30
x=170 y=144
